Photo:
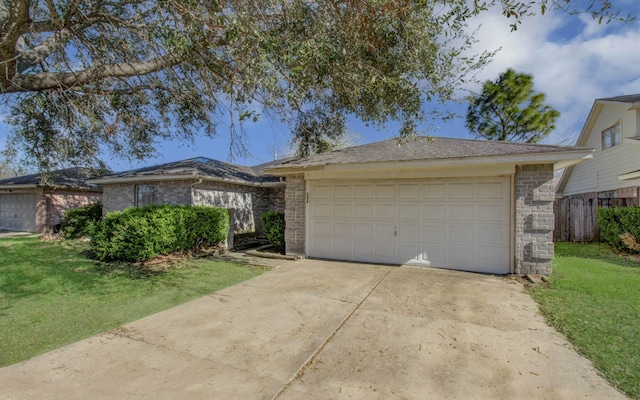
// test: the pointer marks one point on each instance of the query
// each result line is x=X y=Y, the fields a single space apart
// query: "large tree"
x=86 y=76
x=509 y=109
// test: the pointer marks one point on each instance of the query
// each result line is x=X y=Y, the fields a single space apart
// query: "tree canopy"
x=509 y=109
x=82 y=77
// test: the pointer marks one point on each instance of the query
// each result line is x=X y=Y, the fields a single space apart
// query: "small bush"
x=76 y=222
x=619 y=223
x=273 y=226
x=138 y=234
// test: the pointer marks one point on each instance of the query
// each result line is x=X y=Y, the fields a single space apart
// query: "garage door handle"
x=395 y=231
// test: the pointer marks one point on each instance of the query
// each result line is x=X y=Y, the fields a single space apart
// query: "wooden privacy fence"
x=577 y=219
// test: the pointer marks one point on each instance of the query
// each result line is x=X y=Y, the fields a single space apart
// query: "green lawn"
x=594 y=299
x=51 y=294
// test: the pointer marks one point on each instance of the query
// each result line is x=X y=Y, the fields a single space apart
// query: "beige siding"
x=601 y=173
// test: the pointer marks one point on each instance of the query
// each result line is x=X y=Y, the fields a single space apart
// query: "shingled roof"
x=422 y=148
x=67 y=178
x=197 y=167
x=629 y=98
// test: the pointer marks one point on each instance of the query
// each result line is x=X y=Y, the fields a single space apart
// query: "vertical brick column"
x=294 y=214
x=41 y=211
x=534 y=220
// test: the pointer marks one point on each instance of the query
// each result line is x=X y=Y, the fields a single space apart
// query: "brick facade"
x=248 y=202
x=294 y=214
x=534 y=219
x=52 y=203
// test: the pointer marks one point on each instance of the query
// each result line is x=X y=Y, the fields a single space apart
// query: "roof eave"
x=171 y=177
x=559 y=159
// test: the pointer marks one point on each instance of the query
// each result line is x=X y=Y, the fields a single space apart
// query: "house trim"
x=169 y=177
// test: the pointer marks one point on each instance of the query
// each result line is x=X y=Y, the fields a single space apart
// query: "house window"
x=145 y=195
x=611 y=136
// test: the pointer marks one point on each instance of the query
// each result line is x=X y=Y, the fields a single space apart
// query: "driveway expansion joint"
x=300 y=372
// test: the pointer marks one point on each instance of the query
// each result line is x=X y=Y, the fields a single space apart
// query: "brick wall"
x=51 y=204
x=248 y=202
x=534 y=219
x=117 y=196
x=294 y=214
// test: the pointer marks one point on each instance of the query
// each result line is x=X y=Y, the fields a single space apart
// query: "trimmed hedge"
x=76 y=222
x=138 y=234
x=273 y=227
x=617 y=221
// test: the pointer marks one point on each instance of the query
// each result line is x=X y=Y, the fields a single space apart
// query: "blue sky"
x=573 y=60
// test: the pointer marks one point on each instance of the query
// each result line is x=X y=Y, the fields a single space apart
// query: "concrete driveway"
x=326 y=330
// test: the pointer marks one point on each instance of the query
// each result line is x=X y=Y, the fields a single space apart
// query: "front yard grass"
x=51 y=294
x=594 y=299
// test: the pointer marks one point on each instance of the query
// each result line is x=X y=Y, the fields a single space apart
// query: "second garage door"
x=17 y=212
x=454 y=223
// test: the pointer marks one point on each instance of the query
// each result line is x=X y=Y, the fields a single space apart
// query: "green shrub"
x=273 y=227
x=138 y=234
x=618 y=221
x=76 y=222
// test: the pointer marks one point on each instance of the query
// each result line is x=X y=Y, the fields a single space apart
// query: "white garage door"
x=450 y=223
x=18 y=212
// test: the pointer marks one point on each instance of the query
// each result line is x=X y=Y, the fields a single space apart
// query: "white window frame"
x=612 y=136
x=145 y=195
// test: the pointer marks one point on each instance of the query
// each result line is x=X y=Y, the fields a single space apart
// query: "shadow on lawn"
x=597 y=251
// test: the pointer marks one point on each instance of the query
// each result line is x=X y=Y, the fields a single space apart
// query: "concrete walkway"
x=326 y=330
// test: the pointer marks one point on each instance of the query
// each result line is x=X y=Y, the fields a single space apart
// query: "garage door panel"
x=363 y=191
x=385 y=211
x=461 y=234
x=342 y=192
x=496 y=213
x=363 y=211
x=321 y=210
x=321 y=228
x=363 y=249
x=461 y=212
x=342 y=210
x=492 y=190
x=322 y=192
x=386 y=191
x=363 y=230
x=434 y=212
x=341 y=229
x=341 y=248
x=384 y=251
x=460 y=256
x=409 y=211
x=434 y=191
x=434 y=234
x=434 y=255
x=409 y=191
x=409 y=253
x=492 y=235
x=408 y=232
x=459 y=223
x=461 y=191
x=385 y=231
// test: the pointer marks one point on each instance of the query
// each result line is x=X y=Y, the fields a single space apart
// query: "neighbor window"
x=611 y=136
x=145 y=195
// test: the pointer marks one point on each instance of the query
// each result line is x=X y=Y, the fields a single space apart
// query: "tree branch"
x=55 y=80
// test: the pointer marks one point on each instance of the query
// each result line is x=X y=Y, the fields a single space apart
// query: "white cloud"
x=573 y=60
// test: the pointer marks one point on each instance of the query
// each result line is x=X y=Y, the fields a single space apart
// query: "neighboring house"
x=472 y=205
x=198 y=181
x=613 y=130
x=35 y=203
